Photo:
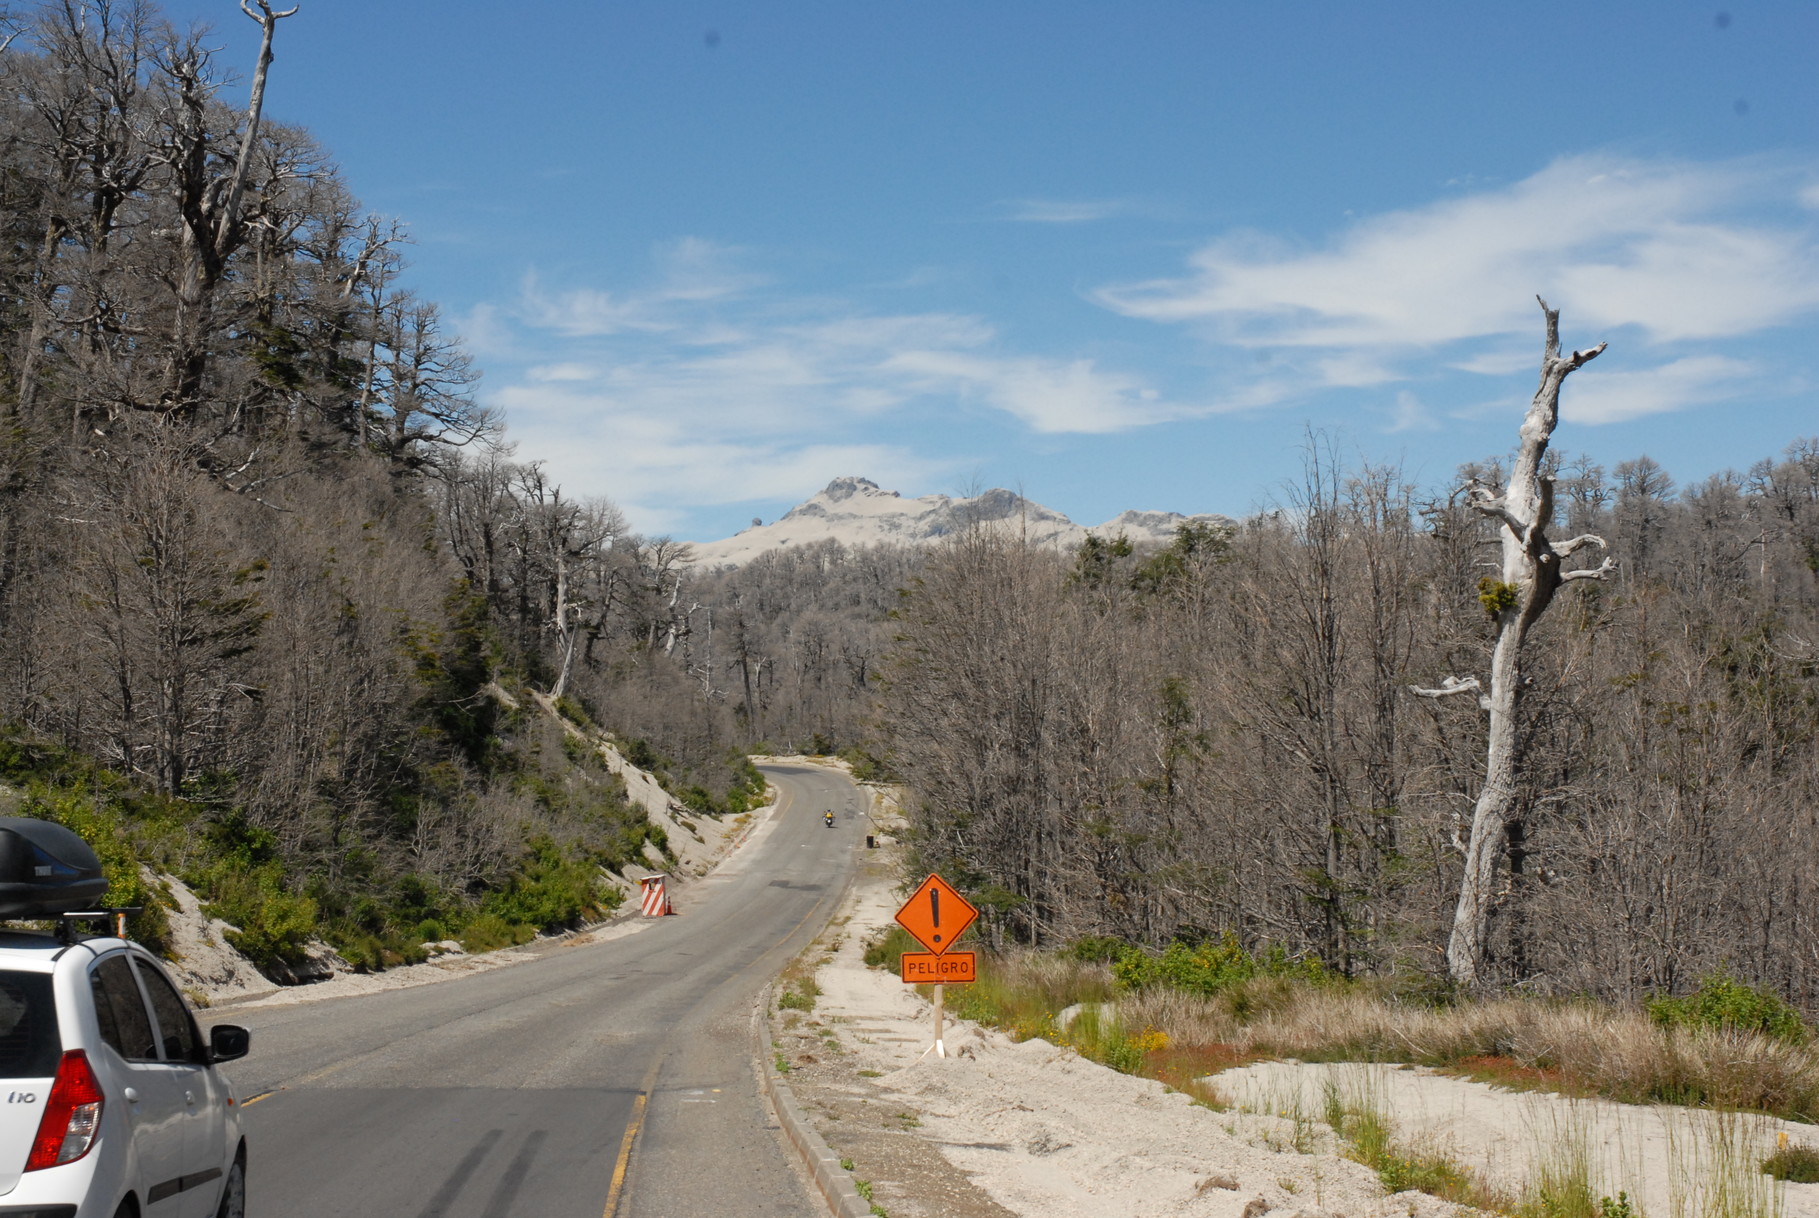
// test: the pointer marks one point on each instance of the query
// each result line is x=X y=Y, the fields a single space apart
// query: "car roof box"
x=45 y=869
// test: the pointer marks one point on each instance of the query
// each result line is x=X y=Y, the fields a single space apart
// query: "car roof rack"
x=69 y=924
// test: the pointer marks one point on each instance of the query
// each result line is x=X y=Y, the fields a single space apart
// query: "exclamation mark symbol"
x=934 y=909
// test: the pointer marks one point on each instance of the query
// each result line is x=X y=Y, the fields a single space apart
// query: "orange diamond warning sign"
x=935 y=915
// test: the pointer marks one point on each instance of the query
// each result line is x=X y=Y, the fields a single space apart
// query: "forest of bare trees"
x=1223 y=736
x=261 y=552
x=271 y=584
x=792 y=642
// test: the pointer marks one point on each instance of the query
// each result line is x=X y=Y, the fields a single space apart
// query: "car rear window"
x=29 y=1044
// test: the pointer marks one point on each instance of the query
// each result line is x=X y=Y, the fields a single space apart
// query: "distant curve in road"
x=512 y=1092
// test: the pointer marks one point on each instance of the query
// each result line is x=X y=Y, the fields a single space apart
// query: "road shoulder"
x=848 y=1126
x=1001 y=1128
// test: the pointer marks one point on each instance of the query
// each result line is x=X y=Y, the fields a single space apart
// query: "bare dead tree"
x=1532 y=573
x=207 y=194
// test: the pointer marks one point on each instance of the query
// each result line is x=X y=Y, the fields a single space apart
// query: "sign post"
x=935 y=916
x=939 y=1048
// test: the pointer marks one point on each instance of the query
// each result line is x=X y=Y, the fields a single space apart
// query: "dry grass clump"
x=1576 y=1048
x=1021 y=992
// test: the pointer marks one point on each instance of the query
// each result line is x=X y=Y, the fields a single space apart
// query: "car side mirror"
x=228 y=1041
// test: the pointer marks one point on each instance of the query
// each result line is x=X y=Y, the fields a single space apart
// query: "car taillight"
x=72 y=1114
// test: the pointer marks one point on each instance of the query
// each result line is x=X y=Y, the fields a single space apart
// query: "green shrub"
x=581 y=751
x=1104 y=1041
x=365 y=952
x=551 y=889
x=106 y=831
x=799 y=995
x=886 y=951
x=272 y=924
x=867 y=766
x=1798 y=1164
x=1722 y=1003
x=640 y=753
x=744 y=790
x=1497 y=596
x=1210 y=968
x=489 y=932
x=1096 y=949
x=571 y=708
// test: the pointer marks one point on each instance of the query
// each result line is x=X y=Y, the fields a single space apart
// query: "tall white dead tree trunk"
x=1532 y=573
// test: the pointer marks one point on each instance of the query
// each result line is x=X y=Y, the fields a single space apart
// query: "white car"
x=113 y=1107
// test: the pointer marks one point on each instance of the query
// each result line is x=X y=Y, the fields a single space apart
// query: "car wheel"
x=127 y=1209
x=233 y=1193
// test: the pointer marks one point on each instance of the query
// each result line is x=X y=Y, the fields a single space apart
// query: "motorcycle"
x=829 y=818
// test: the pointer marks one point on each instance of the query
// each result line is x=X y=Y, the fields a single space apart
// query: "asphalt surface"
x=512 y=1092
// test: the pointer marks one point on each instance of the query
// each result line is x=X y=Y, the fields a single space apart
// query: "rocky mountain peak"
x=841 y=489
x=857 y=511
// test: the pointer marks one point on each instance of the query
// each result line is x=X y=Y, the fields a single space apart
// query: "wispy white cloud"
x=1354 y=370
x=1061 y=211
x=1047 y=395
x=702 y=387
x=1410 y=415
x=650 y=461
x=1601 y=396
x=564 y=372
x=1627 y=243
x=690 y=273
x=821 y=373
x=487 y=331
x=1498 y=361
x=696 y=269
x=1663 y=252
x=587 y=312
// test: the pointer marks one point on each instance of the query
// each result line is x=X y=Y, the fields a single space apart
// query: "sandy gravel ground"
x=1034 y=1129
x=1670 y=1160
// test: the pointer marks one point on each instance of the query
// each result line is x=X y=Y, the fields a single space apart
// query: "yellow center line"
x=633 y=1127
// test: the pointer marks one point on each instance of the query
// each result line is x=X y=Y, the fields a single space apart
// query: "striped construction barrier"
x=655 y=896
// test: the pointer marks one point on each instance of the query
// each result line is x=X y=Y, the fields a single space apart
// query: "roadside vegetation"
x=1192 y=1010
x=550 y=872
x=1727 y=1046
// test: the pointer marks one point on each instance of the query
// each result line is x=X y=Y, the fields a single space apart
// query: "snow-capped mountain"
x=856 y=512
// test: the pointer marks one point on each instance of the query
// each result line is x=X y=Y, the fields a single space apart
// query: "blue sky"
x=711 y=256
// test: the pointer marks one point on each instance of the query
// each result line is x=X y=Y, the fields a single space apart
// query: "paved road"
x=512 y=1092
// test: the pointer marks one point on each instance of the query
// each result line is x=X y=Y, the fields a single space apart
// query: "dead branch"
x=1455 y=685
x=1483 y=501
x=1598 y=572
x=1567 y=549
